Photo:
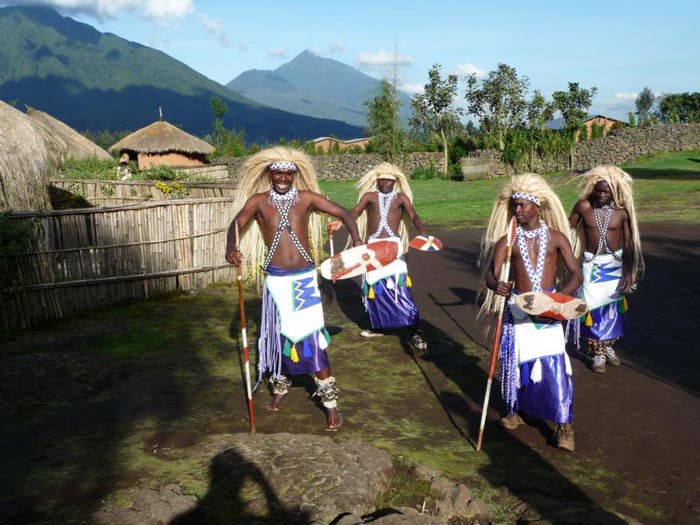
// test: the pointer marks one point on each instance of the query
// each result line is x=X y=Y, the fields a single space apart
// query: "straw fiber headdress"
x=551 y=213
x=369 y=183
x=256 y=179
x=621 y=186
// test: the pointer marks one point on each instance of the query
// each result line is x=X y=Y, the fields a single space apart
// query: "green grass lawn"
x=667 y=189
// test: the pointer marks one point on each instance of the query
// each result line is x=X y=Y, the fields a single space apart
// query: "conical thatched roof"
x=77 y=146
x=29 y=154
x=160 y=137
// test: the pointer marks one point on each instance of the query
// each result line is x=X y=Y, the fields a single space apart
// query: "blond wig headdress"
x=551 y=213
x=256 y=179
x=621 y=186
x=369 y=183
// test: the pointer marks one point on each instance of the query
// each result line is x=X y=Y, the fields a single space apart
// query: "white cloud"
x=412 y=88
x=470 y=69
x=336 y=48
x=278 y=53
x=625 y=96
x=214 y=27
x=381 y=58
x=157 y=10
x=316 y=51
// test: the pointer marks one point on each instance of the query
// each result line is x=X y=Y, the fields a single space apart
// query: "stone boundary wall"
x=351 y=165
x=627 y=144
x=620 y=147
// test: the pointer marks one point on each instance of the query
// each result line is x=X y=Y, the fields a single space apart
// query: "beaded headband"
x=527 y=196
x=289 y=166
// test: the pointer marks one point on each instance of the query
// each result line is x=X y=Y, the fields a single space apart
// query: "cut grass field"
x=667 y=189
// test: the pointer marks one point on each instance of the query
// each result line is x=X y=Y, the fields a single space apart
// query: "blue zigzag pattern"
x=601 y=273
x=305 y=294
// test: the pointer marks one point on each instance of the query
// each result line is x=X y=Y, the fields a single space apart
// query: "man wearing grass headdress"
x=279 y=191
x=535 y=369
x=383 y=211
x=607 y=238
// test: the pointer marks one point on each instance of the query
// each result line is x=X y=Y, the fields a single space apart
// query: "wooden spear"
x=505 y=271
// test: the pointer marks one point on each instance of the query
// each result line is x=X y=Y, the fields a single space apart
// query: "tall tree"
x=644 y=103
x=679 y=107
x=219 y=108
x=539 y=111
x=573 y=106
x=386 y=135
x=433 y=110
x=498 y=101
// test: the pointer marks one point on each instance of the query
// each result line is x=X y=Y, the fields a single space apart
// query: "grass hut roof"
x=161 y=137
x=29 y=154
x=77 y=146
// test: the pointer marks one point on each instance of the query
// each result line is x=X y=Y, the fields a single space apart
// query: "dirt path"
x=111 y=399
x=641 y=420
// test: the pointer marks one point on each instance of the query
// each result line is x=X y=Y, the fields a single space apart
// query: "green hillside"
x=96 y=81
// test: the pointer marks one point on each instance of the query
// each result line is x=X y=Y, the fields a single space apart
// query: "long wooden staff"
x=505 y=270
x=244 y=339
x=330 y=237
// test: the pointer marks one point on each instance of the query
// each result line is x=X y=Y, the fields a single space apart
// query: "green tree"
x=573 y=106
x=538 y=111
x=433 y=111
x=498 y=101
x=219 y=108
x=386 y=135
x=679 y=107
x=644 y=103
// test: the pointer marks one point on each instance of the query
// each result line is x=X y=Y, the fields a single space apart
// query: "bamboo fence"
x=68 y=193
x=87 y=258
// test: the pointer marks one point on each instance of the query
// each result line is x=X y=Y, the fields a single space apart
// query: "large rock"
x=288 y=477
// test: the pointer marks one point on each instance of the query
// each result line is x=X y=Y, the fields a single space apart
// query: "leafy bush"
x=160 y=173
x=90 y=168
x=423 y=173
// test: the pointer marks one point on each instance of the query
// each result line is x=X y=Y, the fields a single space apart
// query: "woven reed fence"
x=87 y=258
x=74 y=193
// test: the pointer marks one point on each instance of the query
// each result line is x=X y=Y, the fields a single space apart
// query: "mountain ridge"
x=338 y=90
x=94 y=81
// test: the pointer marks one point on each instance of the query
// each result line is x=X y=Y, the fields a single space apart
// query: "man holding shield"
x=383 y=210
x=535 y=369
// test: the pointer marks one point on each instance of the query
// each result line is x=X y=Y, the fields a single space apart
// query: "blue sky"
x=619 y=46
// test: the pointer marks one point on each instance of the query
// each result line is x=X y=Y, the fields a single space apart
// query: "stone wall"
x=620 y=147
x=352 y=166
x=627 y=144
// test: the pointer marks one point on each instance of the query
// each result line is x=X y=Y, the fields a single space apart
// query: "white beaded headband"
x=527 y=196
x=289 y=166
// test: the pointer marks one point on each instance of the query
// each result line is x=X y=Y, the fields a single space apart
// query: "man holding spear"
x=279 y=190
x=536 y=371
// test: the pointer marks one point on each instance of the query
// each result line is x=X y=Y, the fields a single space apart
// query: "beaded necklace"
x=283 y=202
x=523 y=236
x=602 y=226
x=385 y=200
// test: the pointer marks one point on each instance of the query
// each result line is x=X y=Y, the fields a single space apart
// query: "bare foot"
x=335 y=420
x=275 y=403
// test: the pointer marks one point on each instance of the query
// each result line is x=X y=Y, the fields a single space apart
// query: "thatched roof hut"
x=29 y=154
x=78 y=147
x=161 y=143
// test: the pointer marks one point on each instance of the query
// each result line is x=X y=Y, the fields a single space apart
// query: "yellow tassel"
x=408 y=281
x=371 y=292
x=295 y=356
x=589 y=320
x=625 y=306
